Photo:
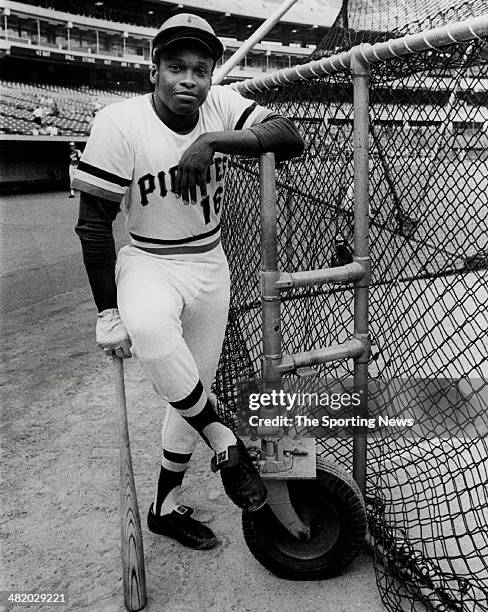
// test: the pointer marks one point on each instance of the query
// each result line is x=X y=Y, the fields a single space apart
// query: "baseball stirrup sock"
x=173 y=466
x=198 y=411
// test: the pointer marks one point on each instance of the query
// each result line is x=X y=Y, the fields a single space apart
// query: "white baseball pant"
x=175 y=308
x=71 y=175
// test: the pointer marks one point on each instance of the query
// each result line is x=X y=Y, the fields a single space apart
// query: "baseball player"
x=74 y=158
x=163 y=157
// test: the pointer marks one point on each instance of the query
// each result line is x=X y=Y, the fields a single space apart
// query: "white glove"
x=112 y=335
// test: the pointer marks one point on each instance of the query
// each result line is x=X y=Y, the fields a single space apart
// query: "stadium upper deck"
x=152 y=12
x=118 y=34
x=90 y=46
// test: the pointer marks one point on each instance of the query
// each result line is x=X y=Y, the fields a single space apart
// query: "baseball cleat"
x=241 y=480
x=181 y=527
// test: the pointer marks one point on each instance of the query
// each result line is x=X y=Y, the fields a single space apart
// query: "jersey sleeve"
x=240 y=113
x=107 y=163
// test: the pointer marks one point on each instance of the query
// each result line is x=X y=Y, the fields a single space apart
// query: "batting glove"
x=112 y=335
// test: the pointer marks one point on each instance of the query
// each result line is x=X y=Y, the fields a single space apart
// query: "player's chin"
x=184 y=105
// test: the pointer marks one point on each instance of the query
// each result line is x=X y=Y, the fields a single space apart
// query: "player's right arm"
x=94 y=229
x=102 y=177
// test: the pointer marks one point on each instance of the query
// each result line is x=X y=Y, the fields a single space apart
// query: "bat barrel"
x=133 y=569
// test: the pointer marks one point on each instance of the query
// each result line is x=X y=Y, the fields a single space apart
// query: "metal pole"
x=448 y=125
x=471 y=29
x=98 y=42
x=255 y=38
x=360 y=73
x=269 y=272
x=270 y=294
x=450 y=106
x=38 y=32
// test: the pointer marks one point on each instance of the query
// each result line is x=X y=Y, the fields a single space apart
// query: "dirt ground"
x=59 y=520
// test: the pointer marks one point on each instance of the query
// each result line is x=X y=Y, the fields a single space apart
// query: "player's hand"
x=192 y=169
x=112 y=335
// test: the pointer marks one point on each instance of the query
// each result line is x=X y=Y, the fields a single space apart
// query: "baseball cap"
x=187 y=26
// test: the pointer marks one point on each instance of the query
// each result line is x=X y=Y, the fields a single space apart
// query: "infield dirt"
x=59 y=515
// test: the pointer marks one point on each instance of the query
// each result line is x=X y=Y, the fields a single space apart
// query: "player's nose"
x=187 y=79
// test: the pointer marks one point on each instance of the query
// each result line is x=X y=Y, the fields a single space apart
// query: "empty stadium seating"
x=75 y=107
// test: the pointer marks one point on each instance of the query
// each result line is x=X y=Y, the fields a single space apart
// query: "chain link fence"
x=428 y=148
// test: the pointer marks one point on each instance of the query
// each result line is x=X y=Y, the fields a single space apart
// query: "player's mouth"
x=183 y=95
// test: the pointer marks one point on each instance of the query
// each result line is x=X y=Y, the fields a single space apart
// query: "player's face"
x=183 y=78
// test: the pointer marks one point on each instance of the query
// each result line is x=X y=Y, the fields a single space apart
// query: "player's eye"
x=174 y=67
x=202 y=71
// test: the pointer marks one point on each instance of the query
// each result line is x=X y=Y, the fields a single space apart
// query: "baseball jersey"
x=74 y=157
x=132 y=157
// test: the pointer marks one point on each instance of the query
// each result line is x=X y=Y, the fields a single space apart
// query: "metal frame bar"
x=462 y=31
x=348 y=273
x=358 y=61
x=254 y=39
x=346 y=350
x=273 y=281
x=271 y=300
x=360 y=70
x=278 y=494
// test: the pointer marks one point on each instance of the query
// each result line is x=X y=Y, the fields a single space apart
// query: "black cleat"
x=180 y=526
x=241 y=480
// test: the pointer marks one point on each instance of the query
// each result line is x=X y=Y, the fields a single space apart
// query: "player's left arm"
x=275 y=134
x=248 y=129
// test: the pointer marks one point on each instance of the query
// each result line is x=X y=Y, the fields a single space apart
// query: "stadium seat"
x=75 y=105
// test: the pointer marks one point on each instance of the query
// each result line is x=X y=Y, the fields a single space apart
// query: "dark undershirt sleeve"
x=279 y=135
x=94 y=228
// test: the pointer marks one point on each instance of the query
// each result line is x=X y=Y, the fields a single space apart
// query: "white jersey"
x=132 y=157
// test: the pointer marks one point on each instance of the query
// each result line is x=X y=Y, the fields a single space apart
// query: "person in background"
x=74 y=158
x=52 y=130
x=92 y=119
x=37 y=115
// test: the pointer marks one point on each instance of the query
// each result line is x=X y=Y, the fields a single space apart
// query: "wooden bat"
x=133 y=570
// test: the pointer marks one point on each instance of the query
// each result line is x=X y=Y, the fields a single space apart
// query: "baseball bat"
x=133 y=570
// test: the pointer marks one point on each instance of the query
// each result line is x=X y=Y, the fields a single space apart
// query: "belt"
x=180 y=250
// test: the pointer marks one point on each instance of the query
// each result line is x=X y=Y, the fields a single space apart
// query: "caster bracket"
x=280 y=504
x=283 y=458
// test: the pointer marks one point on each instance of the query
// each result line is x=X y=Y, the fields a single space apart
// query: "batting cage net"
x=428 y=175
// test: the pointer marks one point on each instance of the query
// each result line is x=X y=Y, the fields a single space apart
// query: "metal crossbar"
x=470 y=29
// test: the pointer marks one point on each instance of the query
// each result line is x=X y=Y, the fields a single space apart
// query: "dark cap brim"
x=173 y=35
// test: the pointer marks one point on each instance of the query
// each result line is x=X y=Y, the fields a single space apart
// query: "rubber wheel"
x=335 y=510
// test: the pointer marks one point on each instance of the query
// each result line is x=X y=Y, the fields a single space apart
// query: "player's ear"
x=153 y=73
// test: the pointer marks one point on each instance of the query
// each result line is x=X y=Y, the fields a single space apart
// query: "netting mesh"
x=374 y=20
x=427 y=497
